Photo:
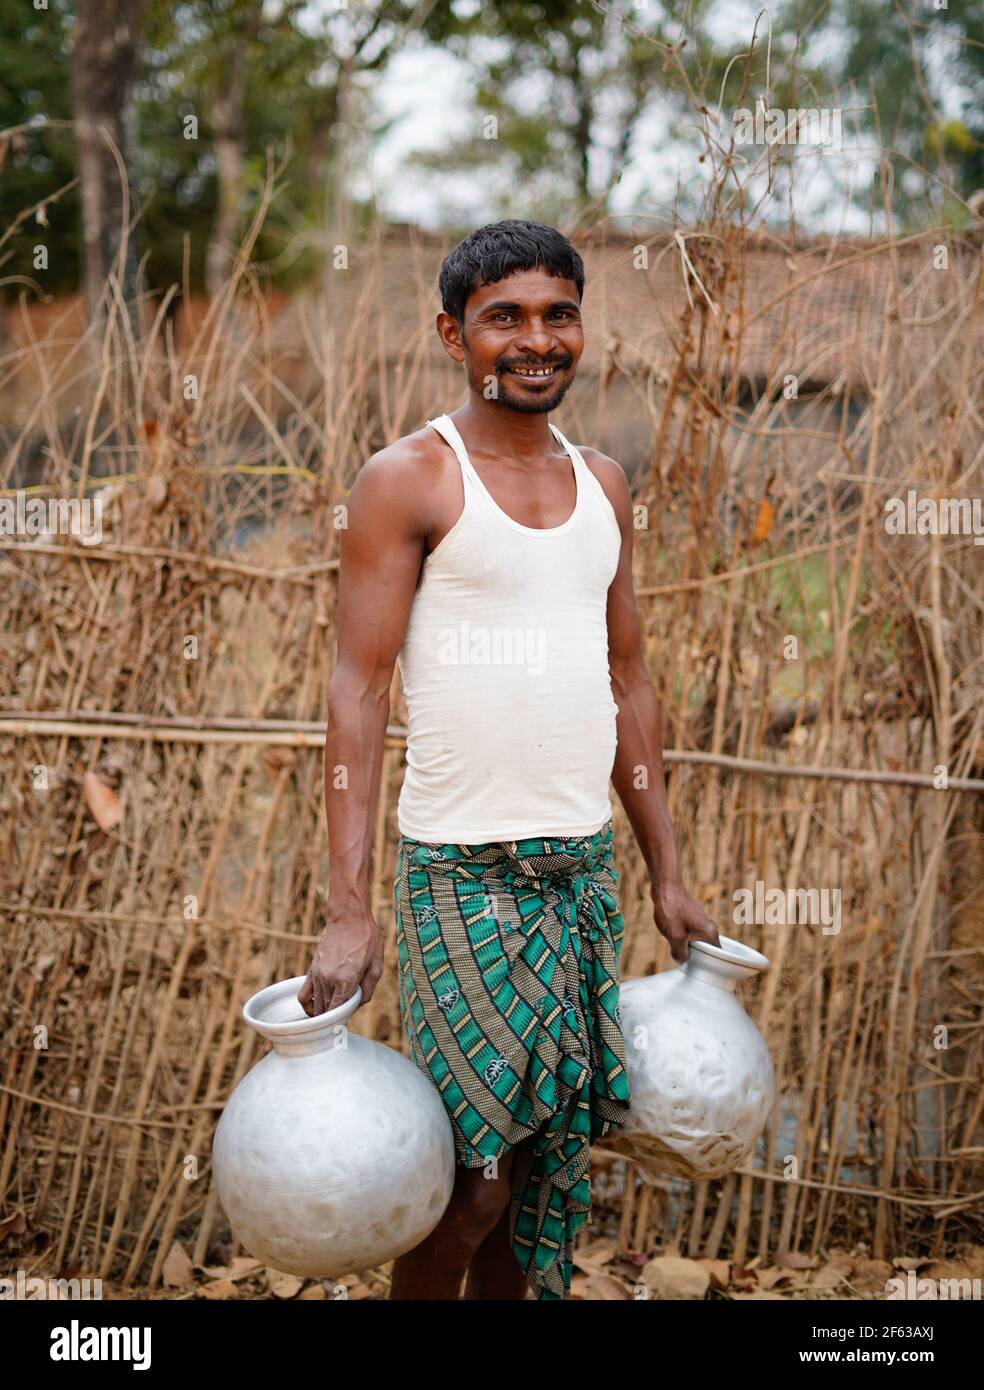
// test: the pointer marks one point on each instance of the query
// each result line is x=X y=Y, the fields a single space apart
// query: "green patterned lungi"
x=508 y=964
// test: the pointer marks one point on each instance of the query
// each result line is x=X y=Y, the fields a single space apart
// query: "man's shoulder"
x=611 y=476
x=413 y=458
x=600 y=464
x=403 y=470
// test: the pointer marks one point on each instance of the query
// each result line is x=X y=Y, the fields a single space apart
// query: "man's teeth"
x=534 y=371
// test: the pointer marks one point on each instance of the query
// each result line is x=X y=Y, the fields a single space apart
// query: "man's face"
x=521 y=342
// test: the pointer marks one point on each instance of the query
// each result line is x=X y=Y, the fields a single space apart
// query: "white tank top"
x=505 y=669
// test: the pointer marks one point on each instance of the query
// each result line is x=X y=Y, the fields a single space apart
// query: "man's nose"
x=536 y=336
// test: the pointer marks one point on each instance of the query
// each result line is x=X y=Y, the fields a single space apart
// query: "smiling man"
x=492 y=559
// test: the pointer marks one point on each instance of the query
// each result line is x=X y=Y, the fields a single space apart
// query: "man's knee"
x=481 y=1195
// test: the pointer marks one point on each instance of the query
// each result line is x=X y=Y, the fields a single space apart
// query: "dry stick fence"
x=133 y=949
x=911 y=1005
x=180 y=1117
x=298 y=733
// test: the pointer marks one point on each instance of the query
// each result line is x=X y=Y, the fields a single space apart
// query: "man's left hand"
x=681 y=919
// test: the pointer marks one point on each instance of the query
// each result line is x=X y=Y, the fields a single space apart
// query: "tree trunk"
x=340 y=225
x=584 y=101
x=104 y=54
x=228 y=116
x=230 y=160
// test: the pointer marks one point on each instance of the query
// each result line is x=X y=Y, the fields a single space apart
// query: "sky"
x=425 y=102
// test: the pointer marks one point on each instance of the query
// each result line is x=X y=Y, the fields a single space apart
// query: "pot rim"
x=256 y=1009
x=733 y=952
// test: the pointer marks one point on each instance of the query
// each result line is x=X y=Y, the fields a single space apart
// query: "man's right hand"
x=349 y=954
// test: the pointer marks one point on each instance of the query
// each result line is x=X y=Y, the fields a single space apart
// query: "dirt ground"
x=602 y=1273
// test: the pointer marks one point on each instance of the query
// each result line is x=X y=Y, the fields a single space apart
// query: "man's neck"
x=505 y=433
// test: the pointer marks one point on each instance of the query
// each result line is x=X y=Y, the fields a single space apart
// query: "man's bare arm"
x=382 y=549
x=638 y=770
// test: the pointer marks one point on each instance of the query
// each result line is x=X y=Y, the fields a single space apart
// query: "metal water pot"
x=334 y=1153
x=700 y=1075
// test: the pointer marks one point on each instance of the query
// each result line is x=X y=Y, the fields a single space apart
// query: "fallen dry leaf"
x=218 y=1288
x=178 y=1271
x=240 y=1268
x=283 y=1285
x=792 y=1259
x=313 y=1291
x=869 y=1277
x=832 y=1276
x=743 y=1277
x=608 y=1288
x=672 y=1277
x=101 y=800
x=948 y=1269
x=598 y=1252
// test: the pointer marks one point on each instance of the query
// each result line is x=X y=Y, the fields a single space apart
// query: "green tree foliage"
x=559 y=90
x=37 y=161
x=919 y=72
x=190 y=50
x=308 y=70
x=309 y=74
x=564 y=89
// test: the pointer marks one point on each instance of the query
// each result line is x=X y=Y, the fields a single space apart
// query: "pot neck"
x=715 y=973
x=277 y=1016
x=725 y=965
x=327 y=1039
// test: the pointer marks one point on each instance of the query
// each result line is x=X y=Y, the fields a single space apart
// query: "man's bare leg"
x=435 y=1268
x=494 y=1271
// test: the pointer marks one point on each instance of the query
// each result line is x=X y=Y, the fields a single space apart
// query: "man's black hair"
x=497 y=250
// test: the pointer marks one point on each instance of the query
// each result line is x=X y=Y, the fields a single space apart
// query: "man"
x=493 y=560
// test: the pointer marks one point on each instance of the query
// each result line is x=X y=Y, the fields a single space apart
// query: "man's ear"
x=452 y=336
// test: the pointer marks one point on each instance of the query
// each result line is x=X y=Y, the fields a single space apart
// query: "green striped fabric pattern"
x=508 y=958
